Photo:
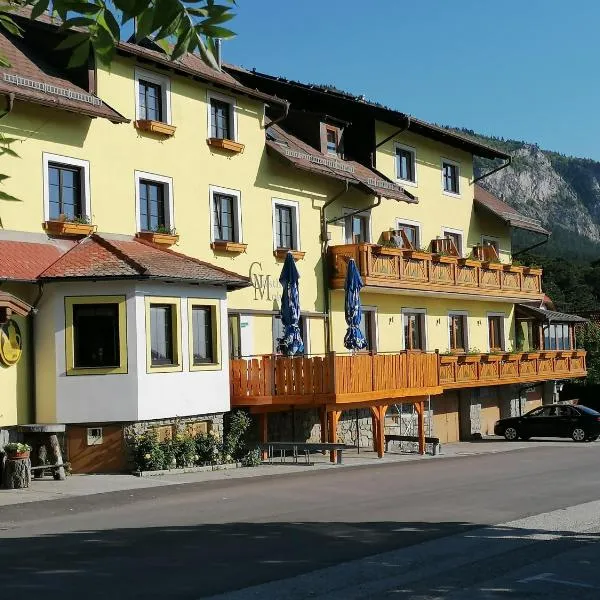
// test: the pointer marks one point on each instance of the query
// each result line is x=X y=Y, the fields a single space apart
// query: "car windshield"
x=588 y=411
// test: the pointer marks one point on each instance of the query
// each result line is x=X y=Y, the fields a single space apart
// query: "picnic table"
x=297 y=449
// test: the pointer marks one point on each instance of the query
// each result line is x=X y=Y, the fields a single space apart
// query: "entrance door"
x=445 y=417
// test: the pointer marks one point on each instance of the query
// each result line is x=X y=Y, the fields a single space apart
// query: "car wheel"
x=511 y=434
x=578 y=434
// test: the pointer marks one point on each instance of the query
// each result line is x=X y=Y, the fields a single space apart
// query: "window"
x=496 y=332
x=95 y=335
x=154 y=202
x=490 y=241
x=163 y=334
x=525 y=338
x=332 y=140
x=356 y=229
x=204 y=335
x=557 y=336
x=458 y=332
x=150 y=100
x=153 y=213
x=220 y=119
x=450 y=175
x=278 y=330
x=153 y=96
x=368 y=328
x=235 y=336
x=286 y=233
x=225 y=215
x=456 y=237
x=66 y=188
x=414 y=329
x=411 y=231
x=406 y=164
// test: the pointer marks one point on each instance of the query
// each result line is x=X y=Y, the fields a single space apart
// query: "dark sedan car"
x=554 y=420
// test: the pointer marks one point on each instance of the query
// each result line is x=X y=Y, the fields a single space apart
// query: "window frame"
x=407 y=310
x=233 y=121
x=413 y=151
x=447 y=161
x=237 y=205
x=70 y=302
x=459 y=232
x=176 y=334
x=347 y=216
x=215 y=310
x=82 y=165
x=294 y=205
x=465 y=315
x=547 y=328
x=371 y=311
x=409 y=223
x=502 y=316
x=154 y=178
x=165 y=86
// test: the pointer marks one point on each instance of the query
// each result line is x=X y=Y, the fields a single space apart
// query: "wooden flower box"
x=531 y=355
x=281 y=253
x=68 y=228
x=579 y=353
x=163 y=239
x=230 y=247
x=224 y=144
x=416 y=254
x=532 y=271
x=469 y=262
x=469 y=358
x=447 y=359
x=493 y=357
x=513 y=356
x=157 y=127
x=492 y=266
x=443 y=258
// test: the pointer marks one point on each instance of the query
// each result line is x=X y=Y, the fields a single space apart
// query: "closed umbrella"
x=354 y=338
x=291 y=341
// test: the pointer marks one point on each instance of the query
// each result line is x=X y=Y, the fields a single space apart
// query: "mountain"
x=563 y=192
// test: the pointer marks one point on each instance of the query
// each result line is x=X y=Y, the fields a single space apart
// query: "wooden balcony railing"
x=497 y=369
x=398 y=268
x=339 y=379
x=331 y=378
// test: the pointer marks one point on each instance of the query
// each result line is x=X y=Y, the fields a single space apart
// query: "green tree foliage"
x=588 y=337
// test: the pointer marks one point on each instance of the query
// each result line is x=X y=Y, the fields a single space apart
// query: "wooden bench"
x=305 y=448
x=392 y=437
x=54 y=468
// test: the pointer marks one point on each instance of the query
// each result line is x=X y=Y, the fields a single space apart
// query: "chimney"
x=218 y=51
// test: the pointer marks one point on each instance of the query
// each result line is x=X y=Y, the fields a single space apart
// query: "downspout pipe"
x=498 y=168
x=280 y=118
x=33 y=392
x=324 y=240
x=388 y=138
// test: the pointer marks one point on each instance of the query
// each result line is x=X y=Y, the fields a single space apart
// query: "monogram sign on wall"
x=11 y=343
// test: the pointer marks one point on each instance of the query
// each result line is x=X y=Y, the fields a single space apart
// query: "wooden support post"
x=334 y=417
x=375 y=426
x=381 y=410
x=263 y=426
x=323 y=420
x=420 y=406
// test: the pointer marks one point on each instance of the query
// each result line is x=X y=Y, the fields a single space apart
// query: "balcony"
x=276 y=382
x=390 y=269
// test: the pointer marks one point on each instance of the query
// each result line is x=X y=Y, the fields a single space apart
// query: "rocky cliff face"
x=562 y=192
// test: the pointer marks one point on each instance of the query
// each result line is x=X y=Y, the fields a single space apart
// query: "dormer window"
x=332 y=140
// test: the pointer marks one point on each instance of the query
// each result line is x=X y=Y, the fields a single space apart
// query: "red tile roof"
x=30 y=79
x=99 y=257
x=506 y=212
x=23 y=261
x=303 y=156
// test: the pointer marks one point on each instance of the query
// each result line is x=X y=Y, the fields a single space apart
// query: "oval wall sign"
x=11 y=343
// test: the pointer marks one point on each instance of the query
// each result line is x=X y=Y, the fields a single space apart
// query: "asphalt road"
x=199 y=540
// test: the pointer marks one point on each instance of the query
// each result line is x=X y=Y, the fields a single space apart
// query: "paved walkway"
x=84 y=485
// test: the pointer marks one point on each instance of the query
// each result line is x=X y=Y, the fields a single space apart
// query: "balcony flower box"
x=493 y=357
x=532 y=355
x=416 y=254
x=469 y=262
x=447 y=359
x=229 y=247
x=532 y=271
x=223 y=144
x=469 y=358
x=68 y=228
x=579 y=353
x=157 y=127
x=158 y=237
x=513 y=268
x=443 y=258
x=281 y=253
x=492 y=266
x=513 y=356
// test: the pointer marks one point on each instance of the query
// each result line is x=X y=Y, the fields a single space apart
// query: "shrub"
x=184 y=450
x=147 y=452
x=208 y=448
x=234 y=443
x=252 y=459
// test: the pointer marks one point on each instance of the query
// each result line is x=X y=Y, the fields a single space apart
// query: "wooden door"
x=106 y=455
x=445 y=417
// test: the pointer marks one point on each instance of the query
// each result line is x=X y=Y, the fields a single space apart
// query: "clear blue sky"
x=522 y=69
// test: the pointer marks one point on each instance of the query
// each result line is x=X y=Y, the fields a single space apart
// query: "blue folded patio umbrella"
x=291 y=341
x=354 y=338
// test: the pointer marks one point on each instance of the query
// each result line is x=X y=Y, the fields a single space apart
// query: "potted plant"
x=17 y=450
x=165 y=236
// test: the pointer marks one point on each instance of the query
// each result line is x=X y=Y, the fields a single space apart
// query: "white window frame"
x=410 y=310
x=165 y=88
x=502 y=331
x=457 y=165
x=168 y=182
x=215 y=189
x=462 y=313
x=232 y=115
x=367 y=213
x=417 y=224
x=413 y=151
x=295 y=220
x=461 y=250
x=67 y=161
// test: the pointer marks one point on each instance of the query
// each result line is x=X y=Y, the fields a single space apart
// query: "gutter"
x=33 y=390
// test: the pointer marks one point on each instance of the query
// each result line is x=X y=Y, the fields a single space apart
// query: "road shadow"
x=207 y=559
